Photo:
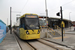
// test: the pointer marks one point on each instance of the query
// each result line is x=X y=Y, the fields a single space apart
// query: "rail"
x=51 y=30
x=63 y=45
x=21 y=43
x=58 y=28
x=35 y=44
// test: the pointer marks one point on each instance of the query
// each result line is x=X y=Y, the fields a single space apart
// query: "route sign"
x=63 y=24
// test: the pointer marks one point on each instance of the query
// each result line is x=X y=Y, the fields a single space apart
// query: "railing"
x=51 y=30
x=59 y=29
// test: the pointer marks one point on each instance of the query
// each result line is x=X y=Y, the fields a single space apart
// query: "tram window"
x=20 y=22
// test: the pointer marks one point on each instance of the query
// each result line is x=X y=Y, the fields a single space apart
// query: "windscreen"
x=32 y=22
x=43 y=22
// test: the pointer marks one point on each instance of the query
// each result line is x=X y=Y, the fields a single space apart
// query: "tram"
x=42 y=22
x=29 y=27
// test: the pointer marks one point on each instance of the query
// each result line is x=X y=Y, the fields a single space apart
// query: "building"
x=73 y=23
x=2 y=30
x=56 y=21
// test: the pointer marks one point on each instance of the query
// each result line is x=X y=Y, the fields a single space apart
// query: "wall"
x=2 y=30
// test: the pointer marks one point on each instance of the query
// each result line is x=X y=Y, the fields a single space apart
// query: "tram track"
x=39 y=44
x=28 y=43
x=70 y=33
x=62 y=45
x=31 y=45
x=23 y=44
x=48 y=45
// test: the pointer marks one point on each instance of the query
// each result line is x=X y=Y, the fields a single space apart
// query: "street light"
x=11 y=18
x=62 y=25
x=46 y=14
x=70 y=20
x=46 y=9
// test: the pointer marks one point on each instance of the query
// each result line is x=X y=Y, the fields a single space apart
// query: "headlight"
x=27 y=32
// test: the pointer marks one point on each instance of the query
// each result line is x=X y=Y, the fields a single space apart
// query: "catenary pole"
x=61 y=21
x=46 y=14
x=10 y=21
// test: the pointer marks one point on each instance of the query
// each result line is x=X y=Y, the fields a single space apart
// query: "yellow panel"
x=32 y=35
x=22 y=33
x=27 y=14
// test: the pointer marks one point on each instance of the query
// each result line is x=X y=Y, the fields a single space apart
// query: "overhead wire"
x=51 y=9
x=24 y=5
x=68 y=3
x=62 y=5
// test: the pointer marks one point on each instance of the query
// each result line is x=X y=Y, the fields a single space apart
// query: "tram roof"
x=27 y=14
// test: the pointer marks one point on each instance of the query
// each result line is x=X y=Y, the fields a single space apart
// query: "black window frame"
x=33 y=18
x=22 y=21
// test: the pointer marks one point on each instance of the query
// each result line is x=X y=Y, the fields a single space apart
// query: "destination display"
x=30 y=16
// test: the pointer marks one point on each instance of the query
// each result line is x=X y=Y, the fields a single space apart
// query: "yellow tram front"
x=29 y=27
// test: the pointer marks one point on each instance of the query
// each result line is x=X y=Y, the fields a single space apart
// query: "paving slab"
x=9 y=43
x=69 y=40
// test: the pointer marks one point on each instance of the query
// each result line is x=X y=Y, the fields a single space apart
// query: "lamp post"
x=58 y=14
x=61 y=21
x=70 y=20
x=10 y=21
x=46 y=15
x=46 y=9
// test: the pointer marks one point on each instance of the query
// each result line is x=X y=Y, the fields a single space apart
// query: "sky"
x=36 y=6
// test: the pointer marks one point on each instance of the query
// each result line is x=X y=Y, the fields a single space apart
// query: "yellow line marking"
x=60 y=37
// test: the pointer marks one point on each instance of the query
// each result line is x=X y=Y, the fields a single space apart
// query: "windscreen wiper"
x=29 y=27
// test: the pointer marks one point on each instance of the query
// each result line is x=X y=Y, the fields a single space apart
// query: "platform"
x=9 y=43
x=68 y=40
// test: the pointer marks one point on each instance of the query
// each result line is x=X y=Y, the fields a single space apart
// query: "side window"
x=22 y=23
